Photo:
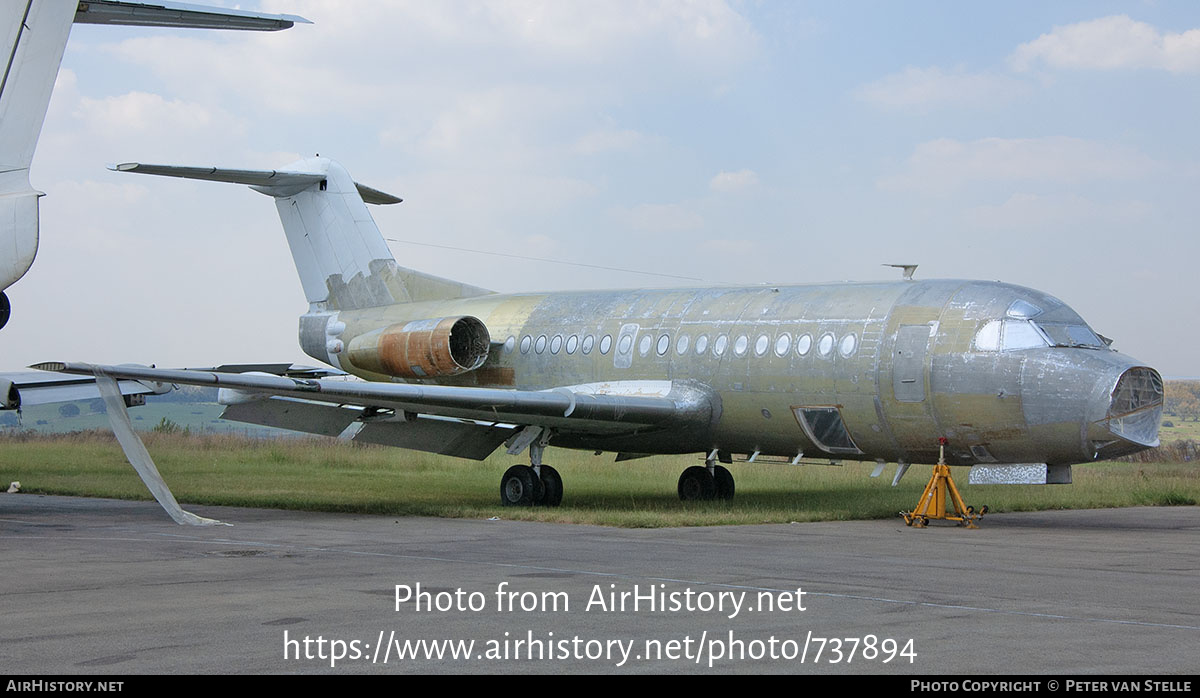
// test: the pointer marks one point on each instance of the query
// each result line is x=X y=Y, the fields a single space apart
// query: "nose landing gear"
x=932 y=504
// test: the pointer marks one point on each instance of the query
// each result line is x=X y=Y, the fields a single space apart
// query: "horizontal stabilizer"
x=273 y=182
x=178 y=14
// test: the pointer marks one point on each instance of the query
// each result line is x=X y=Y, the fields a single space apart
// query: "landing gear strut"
x=708 y=481
x=536 y=484
x=933 y=500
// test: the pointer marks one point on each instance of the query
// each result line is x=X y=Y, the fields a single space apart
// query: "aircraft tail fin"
x=341 y=257
x=34 y=36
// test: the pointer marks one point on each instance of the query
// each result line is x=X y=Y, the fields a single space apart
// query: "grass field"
x=328 y=475
x=1179 y=429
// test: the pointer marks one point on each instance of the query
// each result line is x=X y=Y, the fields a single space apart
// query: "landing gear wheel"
x=553 y=485
x=697 y=483
x=517 y=488
x=539 y=487
x=5 y=309
x=724 y=482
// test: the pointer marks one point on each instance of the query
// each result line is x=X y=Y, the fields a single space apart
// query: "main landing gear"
x=531 y=485
x=940 y=490
x=708 y=481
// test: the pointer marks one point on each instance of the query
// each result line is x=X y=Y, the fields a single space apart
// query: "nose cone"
x=1134 y=412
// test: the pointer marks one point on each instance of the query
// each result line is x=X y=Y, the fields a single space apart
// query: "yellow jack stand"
x=933 y=499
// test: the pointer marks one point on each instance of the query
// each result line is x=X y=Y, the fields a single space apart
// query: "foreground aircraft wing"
x=26 y=389
x=563 y=409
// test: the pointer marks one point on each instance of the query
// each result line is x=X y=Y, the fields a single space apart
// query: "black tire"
x=5 y=309
x=696 y=483
x=516 y=487
x=539 y=487
x=724 y=482
x=553 y=484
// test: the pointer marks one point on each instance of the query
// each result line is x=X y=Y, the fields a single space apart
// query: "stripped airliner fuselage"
x=854 y=371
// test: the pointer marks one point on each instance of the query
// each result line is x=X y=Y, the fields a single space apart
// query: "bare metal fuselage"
x=862 y=371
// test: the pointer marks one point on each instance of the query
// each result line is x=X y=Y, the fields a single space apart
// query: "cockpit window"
x=1071 y=336
x=1008 y=335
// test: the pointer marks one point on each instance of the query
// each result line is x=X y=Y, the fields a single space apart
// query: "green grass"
x=327 y=475
x=1179 y=430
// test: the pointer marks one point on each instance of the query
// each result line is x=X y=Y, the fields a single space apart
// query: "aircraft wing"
x=577 y=409
x=164 y=13
x=26 y=389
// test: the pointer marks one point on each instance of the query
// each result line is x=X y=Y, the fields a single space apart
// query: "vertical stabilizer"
x=35 y=35
x=343 y=261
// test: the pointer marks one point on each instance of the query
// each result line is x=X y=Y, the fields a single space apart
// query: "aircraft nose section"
x=1133 y=415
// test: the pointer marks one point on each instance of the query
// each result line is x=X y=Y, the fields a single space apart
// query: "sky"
x=1051 y=145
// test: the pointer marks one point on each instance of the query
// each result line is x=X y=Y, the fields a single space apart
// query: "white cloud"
x=411 y=56
x=1111 y=43
x=1037 y=211
x=605 y=139
x=730 y=182
x=660 y=217
x=923 y=87
x=944 y=165
x=723 y=248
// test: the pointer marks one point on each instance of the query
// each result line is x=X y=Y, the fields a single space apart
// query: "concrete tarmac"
x=93 y=586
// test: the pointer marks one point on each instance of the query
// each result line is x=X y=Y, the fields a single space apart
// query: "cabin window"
x=804 y=344
x=681 y=344
x=664 y=343
x=626 y=344
x=740 y=346
x=588 y=341
x=782 y=344
x=825 y=345
x=556 y=344
x=644 y=345
x=509 y=344
x=720 y=345
x=701 y=344
x=825 y=427
x=525 y=342
x=760 y=346
x=540 y=345
x=606 y=344
x=572 y=344
x=848 y=345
